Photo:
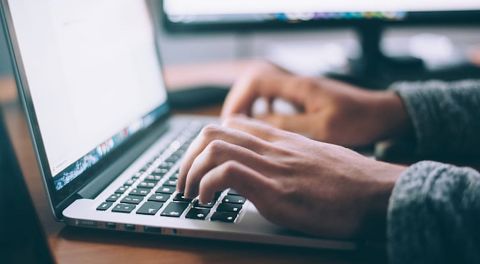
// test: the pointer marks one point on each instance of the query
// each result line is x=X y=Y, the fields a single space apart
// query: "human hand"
x=293 y=181
x=330 y=111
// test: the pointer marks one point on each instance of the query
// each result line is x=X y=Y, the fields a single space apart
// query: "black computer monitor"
x=188 y=15
x=367 y=17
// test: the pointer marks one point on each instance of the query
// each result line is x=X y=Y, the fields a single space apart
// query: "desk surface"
x=75 y=245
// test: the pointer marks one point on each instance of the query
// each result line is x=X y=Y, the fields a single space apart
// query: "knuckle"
x=210 y=131
x=216 y=147
x=229 y=168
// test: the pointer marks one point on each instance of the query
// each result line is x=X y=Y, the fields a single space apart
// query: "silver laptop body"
x=90 y=79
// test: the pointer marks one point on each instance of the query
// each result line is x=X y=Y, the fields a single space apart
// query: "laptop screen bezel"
x=59 y=199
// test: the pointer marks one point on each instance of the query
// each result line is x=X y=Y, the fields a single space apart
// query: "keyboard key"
x=226 y=207
x=179 y=152
x=145 y=167
x=175 y=209
x=217 y=195
x=159 y=197
x=104 y=206
x=152 y=178
x=123 y=208
x=129 y=182
x=121 y=190
x=197 y=213
x=233 y=192
x=145 y=184
x=166 y=165
x=172 y=159
x=160 y=171
x=180 y=198
x=234 y=199
x=174 y=176
x=166 y=189
x=113 y=198
x=197 y=203
x=140 y=192
x=132 y=199
x=149 y=208
x=171 y=183
x=224 y=217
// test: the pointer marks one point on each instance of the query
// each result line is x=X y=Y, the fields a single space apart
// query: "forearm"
x=434 y=215
x=444 y=116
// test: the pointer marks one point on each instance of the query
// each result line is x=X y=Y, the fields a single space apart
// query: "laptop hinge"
x=107 y=176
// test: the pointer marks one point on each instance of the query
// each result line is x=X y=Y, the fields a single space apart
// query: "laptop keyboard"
x=152 y=190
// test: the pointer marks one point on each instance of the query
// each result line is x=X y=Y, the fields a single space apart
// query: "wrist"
x=375 y=220
x=388 y=108
x=386 y=176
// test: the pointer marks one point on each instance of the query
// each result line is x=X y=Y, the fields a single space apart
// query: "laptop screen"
x=93 y=74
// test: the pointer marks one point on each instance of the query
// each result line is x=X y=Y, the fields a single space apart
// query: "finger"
x=243 y=179
x=217 y=153
x=209 y=134
x=241 y=97
x=301 y=124
x=279 y=85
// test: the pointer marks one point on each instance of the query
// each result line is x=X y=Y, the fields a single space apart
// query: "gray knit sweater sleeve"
x=434 y=209
x=434 y=215
x=445 y=116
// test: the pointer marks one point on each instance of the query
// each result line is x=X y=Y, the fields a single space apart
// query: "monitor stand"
x=373 y=69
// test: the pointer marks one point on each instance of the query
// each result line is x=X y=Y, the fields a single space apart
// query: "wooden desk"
x=74 y=245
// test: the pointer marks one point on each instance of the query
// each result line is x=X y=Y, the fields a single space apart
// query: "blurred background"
x=309 y=51
x=306 y=48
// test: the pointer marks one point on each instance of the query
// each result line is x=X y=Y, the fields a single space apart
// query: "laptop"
x=90 y=78
x=21 y=237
